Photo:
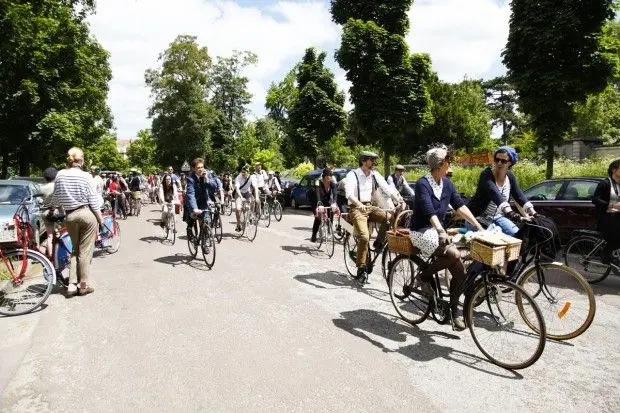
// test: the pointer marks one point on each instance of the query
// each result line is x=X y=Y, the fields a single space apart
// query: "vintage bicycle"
x=201 y=235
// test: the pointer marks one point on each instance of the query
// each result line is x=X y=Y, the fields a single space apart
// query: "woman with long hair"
x=167 y=194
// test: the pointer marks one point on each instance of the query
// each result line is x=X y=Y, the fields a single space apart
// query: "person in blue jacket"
x=434 y=193
x=497 y=186
x=200 y=191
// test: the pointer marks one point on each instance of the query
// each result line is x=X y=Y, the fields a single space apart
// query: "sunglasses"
x=502 y=161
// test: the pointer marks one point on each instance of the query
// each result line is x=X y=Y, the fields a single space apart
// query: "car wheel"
x=294 y=204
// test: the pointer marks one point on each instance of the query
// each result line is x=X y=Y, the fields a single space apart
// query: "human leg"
x=507 y=226
x=88 y=235
x=360 y=225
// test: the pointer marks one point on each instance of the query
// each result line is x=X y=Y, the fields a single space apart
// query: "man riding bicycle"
x=363 y=186
x=246 y=189
x=200 y=191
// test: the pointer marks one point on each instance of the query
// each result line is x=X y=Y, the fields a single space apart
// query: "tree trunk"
x=550 y=157
x=23 y=164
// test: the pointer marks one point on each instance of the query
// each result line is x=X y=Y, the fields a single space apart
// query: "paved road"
x=273 y=327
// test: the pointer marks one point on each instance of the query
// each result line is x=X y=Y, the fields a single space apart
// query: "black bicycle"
x=585 y=253
x=216 y=221
x=201 y=235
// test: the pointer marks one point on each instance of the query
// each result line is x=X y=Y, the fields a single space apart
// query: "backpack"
x=134 y=185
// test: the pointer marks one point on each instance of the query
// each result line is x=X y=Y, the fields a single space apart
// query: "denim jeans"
x=507 y=226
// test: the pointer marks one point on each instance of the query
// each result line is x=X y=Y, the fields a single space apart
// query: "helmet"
x=368 y=155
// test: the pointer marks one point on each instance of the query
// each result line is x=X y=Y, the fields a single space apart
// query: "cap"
x=270 y=173
x=257 y=163
x=50 y=174
x=245 y=167
x=399 y=167
x=368 y=155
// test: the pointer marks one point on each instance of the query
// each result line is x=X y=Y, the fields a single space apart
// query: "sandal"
x=85 y=291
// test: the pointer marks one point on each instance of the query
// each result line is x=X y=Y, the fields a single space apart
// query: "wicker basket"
x=398 y=240
x=488 y=254
x=513 y=247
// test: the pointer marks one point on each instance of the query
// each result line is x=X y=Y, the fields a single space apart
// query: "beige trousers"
x=82 y=227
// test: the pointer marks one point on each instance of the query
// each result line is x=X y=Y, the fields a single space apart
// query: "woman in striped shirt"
x=74 y=192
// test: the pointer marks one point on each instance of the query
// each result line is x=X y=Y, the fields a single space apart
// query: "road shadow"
x=183 y=259
x=152 y=239
x=305 y=249
x=303 y=229
x=367 y=324
x=337 y=280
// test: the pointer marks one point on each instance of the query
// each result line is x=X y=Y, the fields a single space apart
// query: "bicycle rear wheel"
x=405 y=286
x=251 y=226
x=502 y=325
x=29 y=292
x=585 y=256
x=564 y=297
x=217 y=227
x=277 y=210
x=116 y=239
x=207 y=245
x=339 y=232
x=350 y=254
x=192 y=239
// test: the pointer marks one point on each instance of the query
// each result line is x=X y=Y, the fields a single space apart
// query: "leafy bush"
x=271 y=159
x=300 y=170
x=528 y=173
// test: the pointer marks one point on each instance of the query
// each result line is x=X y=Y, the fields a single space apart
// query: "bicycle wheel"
x=138 y=206
x=498 y=326
x=251 y=226
x=584 y=255
x=386 y=262
x=564 y=297
x=29 y=292
x=327 y=234
x=171 y=225
x=207 y=245
x=338 y=230
x=277 y=210
x=404 y=283
x=265 y=215
x=350 y=254
x=228 y=207
x=192 y=239
x=217 y=227
x=116 y=239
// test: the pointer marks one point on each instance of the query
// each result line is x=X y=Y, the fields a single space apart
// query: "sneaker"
x=458 y=322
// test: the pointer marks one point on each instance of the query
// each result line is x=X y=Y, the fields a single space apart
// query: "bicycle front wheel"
x=24 y=294
x=564 y=297
x=116 y=238
x=502 y=324
x=338 y=231
x=266 y=215
x=277 y=210
x=584 y=254
x=207 y=245
x=192 y=239
x=327 y=235
x=171 y=225
x=217 y=228
x=251 y=226
x=405 y=286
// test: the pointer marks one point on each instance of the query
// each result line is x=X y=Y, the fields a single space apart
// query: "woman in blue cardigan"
x=434 y=194
x=496 y=187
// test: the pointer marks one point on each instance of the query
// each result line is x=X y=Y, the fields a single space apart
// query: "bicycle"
x=28 y=276
x=248 y=221
x=350 y=250
x=169 y=229
x=200 y=234
x=263 y=211
x=325 y=236
x=585 y=253
x=414 y=302
x=216 y=222
x=115 y=200
x=135 y=203
x=227 y=207
x=276 y=207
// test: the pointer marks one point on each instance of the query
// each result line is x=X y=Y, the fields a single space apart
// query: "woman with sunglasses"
x=496 y=187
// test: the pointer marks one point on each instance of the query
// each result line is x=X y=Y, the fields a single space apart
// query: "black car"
x=300 y=195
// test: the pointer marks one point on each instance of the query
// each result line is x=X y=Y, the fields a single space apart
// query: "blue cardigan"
x=487 y=191
x=426 y=205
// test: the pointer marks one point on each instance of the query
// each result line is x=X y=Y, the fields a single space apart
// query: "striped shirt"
x=73 y=188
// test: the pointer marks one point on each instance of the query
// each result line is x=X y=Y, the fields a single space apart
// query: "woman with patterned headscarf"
x=496 y=187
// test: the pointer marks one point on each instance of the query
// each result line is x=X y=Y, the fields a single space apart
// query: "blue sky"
x=464 y=39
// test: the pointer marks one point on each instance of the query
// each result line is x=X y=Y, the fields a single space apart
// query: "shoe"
x=71 y=292
x=313 y=238
x=238 y=228
x=458 y=322
x=85 y=291
x=161 y=224
x=362 y=276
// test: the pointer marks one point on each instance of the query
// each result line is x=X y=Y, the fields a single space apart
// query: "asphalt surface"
x=274 y=326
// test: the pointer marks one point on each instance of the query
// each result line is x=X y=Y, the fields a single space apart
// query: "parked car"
x=35 y=179
x=12 y=193
x=287 y=186
x=300 y=195
x=568 y=201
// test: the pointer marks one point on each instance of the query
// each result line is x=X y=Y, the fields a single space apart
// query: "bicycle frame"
x=22 y=231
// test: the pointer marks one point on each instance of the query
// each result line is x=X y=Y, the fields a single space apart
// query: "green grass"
x=528 y=173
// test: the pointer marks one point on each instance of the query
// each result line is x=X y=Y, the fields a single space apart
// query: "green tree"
x=281 y=98
x=141 y=153
x=318 y=113
x=388 y=83
x=556 y=65
x=105 y=154
x=53 y=83
x=182 y=117
x=268 y=134
x=502 y=102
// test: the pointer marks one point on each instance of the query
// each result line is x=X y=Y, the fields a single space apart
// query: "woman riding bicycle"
x=325 y=194
x=496 y=187
x=607 y=202
x=434 y=193
x=167 y=195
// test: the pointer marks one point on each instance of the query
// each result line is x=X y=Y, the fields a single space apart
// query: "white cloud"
x=463 y=39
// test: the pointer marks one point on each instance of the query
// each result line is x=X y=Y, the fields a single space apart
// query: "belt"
x=73 y=210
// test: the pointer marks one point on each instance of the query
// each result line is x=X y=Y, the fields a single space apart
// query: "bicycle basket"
x=398 y=239
x=495 y=249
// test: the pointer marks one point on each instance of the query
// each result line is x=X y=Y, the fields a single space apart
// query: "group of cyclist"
x=370 y=198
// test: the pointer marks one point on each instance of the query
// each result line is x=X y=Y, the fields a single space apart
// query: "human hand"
x=444 y=238
x=513 y=216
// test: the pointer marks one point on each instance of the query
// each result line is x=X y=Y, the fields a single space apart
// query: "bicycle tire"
x=411 y=304
x=12 y=296
x=386 y=263
x=207 y=246
x=266 y=215
x=350 y=254
x=217 y=227
x=116 y=239
x=328 y=238
x=554 y=306
x=591 y=268
x=243 y=220
x=339 y=232
x=277 y=210
x=192 y=236
x=502 y=291
x=252 y=226
x=172 y=227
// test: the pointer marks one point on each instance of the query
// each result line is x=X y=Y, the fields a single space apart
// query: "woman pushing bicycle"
x=434 y=194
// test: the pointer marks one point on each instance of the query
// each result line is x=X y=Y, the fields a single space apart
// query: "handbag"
x=378 y=198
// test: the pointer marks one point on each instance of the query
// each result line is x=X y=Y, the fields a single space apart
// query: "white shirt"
x=273 y=182
x=408 y=189
x=261 y=178
x=365 y=186
x=244 y=187
x=73 y=188
x=495 y=211
x=436 y=187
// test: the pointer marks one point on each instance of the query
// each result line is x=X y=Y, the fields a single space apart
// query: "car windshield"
x=545 y=191
x=13 y=194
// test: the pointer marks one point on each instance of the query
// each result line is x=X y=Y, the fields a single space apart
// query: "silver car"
x=13 y=193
